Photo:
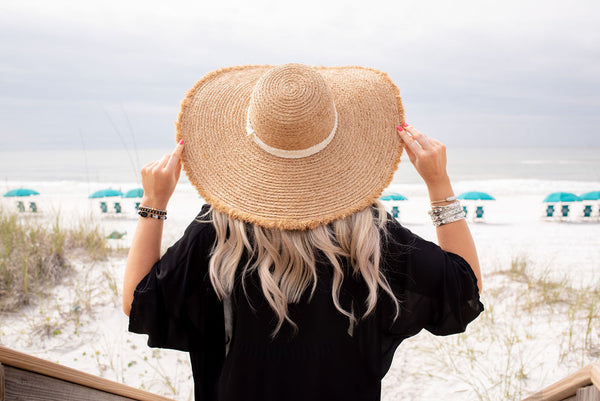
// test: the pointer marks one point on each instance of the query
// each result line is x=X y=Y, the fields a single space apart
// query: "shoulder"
x=201 y=226
x=398 y=240
x=196 y=241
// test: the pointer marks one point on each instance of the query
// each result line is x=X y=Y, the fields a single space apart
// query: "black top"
x=177 y=307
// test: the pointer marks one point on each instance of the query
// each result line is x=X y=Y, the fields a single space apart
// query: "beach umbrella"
x=392 y=196
x=21 y=192
x=105 y=193
x=594 y=195
x=134 y=193
x=475 y=195
x=562 y=197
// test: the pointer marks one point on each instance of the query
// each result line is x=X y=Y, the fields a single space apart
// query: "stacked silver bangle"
x=441 y=215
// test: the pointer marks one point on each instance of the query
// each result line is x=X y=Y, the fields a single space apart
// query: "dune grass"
x=33 y=255
x=534 y=322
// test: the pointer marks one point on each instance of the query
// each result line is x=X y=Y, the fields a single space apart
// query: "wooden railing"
x=583 y=385
x=24 y=377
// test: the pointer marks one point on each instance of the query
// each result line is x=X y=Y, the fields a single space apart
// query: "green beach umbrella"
x=21 y=192
x=562 y=197
x=475 y=195
x=134 y=193
x=594 y=195
x=105 y=193
x=392 y=196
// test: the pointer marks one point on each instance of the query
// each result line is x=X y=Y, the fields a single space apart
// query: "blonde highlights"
x=285 y=260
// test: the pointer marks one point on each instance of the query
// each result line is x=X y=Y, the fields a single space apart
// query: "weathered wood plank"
x=25 y=385
x=15 y=359
x=568 y=386
x=595 y=375
x=589 y=393
x=1 y=382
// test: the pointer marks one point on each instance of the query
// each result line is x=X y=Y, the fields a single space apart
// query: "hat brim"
x=239 y=178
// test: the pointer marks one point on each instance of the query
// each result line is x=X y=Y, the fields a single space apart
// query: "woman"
x=294 y=284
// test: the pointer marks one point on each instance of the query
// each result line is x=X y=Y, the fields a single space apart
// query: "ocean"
x=466 y=164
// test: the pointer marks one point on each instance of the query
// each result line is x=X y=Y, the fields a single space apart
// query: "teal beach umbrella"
x=594 y=195
x=21 y=192
x=134 y=193
x=562 y=197
x=392 y=196
x=475 y=195
x=105 y=193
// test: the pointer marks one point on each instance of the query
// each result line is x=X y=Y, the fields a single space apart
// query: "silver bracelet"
x=441 y=215
x=448 y=199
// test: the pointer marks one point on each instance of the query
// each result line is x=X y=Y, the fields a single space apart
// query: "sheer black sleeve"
x=437 y=290
x=175 y=303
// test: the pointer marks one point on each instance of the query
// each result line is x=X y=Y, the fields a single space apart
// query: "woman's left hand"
x=160 y=177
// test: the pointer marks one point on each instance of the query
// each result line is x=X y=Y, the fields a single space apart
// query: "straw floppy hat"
x=291 y=146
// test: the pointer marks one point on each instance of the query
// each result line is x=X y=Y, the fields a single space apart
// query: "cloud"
x=517 y=65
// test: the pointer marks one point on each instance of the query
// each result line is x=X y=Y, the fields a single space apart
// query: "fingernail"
x=181 y=142
x=400 y=128
x=405 y=124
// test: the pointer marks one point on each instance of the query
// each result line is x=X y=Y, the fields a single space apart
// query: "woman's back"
x=320 y=287
x=324 y=354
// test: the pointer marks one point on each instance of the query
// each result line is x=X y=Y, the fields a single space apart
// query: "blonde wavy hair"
x=285 y=260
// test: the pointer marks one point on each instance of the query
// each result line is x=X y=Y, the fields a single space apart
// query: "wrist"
x=154 y=203
x=440 y=189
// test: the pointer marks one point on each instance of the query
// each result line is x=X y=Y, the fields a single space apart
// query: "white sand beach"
x=536 y=328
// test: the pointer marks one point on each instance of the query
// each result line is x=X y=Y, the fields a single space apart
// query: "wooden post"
x=589 y=393
x=1 y=383
x=568 y=388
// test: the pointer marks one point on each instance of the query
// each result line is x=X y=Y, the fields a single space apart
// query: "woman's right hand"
x=160 y=177
x=428 y=155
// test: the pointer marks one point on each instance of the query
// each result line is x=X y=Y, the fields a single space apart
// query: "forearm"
x=455 y=237
x=143 y=254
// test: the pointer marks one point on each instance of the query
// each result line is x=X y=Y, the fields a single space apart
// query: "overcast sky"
x=471 y=73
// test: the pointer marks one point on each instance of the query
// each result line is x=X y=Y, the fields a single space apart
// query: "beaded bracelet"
x=145 y=211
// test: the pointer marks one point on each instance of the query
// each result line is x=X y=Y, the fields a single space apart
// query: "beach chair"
x=21 y=207
x=564 y=211
x=33 y=207
x=550 y=211
x=395 y=212
x=103 y=207
x=479 y=212
x=117 y=208
x=116 y=235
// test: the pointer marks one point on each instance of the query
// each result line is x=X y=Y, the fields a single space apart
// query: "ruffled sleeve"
x=437 y=290
x=175 y=304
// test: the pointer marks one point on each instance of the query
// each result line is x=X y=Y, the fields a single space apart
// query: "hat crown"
x=292 y=108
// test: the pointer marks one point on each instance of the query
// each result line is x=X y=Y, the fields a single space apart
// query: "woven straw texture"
x=291 y=109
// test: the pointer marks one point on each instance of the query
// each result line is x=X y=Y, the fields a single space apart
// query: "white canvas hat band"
x=291 y=154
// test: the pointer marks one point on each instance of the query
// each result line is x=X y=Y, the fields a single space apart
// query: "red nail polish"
x=400 y=128
x=405 y=124
x=181 y=142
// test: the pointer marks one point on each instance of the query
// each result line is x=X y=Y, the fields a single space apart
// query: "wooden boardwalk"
x=24 y=377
